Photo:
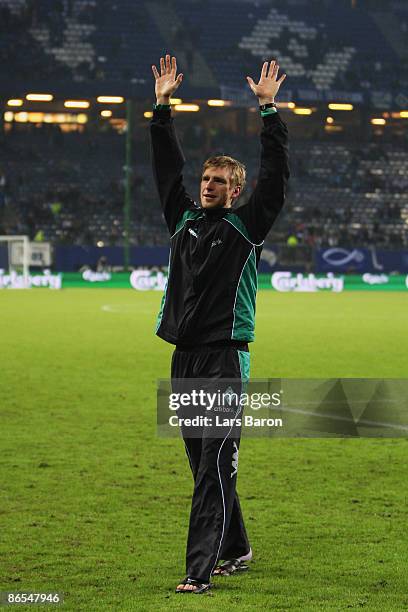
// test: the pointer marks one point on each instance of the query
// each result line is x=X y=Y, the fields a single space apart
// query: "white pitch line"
x=125 y=309
x=335 y=417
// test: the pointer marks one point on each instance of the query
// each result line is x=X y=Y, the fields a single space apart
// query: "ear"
x=237 y=191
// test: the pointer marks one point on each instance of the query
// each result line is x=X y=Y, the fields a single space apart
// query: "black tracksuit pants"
x=216 y=529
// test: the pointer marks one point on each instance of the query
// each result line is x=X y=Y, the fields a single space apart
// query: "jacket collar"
x=213 y=214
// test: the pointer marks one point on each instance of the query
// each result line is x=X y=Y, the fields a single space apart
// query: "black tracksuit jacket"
x=214 y=254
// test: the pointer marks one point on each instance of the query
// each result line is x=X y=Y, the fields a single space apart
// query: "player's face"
x=216 y=190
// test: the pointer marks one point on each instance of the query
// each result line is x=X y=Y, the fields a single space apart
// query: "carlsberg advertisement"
x=145 y=279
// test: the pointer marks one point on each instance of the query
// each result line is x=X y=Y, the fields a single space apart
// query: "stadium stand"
x=344 y=195
x=81 y=40
x=67 y=187
x=88 y=40
x=339 y=193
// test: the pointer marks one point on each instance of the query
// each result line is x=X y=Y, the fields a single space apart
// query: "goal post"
x=18 y=251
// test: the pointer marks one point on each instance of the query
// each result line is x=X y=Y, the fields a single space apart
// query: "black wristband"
x=264 y=107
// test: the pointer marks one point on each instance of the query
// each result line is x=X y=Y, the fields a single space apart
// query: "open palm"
x=166 y=81
x=268 y=85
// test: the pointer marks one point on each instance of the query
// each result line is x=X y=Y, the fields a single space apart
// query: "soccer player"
x=208 y=307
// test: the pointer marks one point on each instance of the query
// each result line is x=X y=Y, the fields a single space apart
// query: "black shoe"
x=201 y=587
x=230 y=567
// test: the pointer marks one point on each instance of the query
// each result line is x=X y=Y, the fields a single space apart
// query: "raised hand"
x=268 y=86
x=166 y=81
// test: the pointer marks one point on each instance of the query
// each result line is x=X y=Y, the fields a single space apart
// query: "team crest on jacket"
x=216 y=242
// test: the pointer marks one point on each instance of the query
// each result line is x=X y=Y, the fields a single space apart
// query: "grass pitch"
x=94 y=505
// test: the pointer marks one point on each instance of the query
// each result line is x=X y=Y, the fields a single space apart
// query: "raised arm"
x=268 y=197
x=167 y=156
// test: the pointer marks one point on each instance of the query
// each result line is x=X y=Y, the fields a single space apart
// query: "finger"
x=271 y=69
x=173 y=65
x=264 y=70
x=179 y=78
x=275 y=71
x=283 y=77
x=251 y=82
x=156 y=74
x=162 y=68
x=168 y=69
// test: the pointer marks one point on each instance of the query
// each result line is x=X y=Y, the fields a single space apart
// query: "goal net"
x=16 y=254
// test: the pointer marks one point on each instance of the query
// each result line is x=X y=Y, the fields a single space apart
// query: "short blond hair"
x=237 y=170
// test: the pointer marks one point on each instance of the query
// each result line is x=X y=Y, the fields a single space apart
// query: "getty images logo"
x=229 y=396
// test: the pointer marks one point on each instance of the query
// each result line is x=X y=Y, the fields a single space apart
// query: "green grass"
x=95 y=505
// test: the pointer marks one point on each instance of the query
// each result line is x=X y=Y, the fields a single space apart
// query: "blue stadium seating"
x=92 y=41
